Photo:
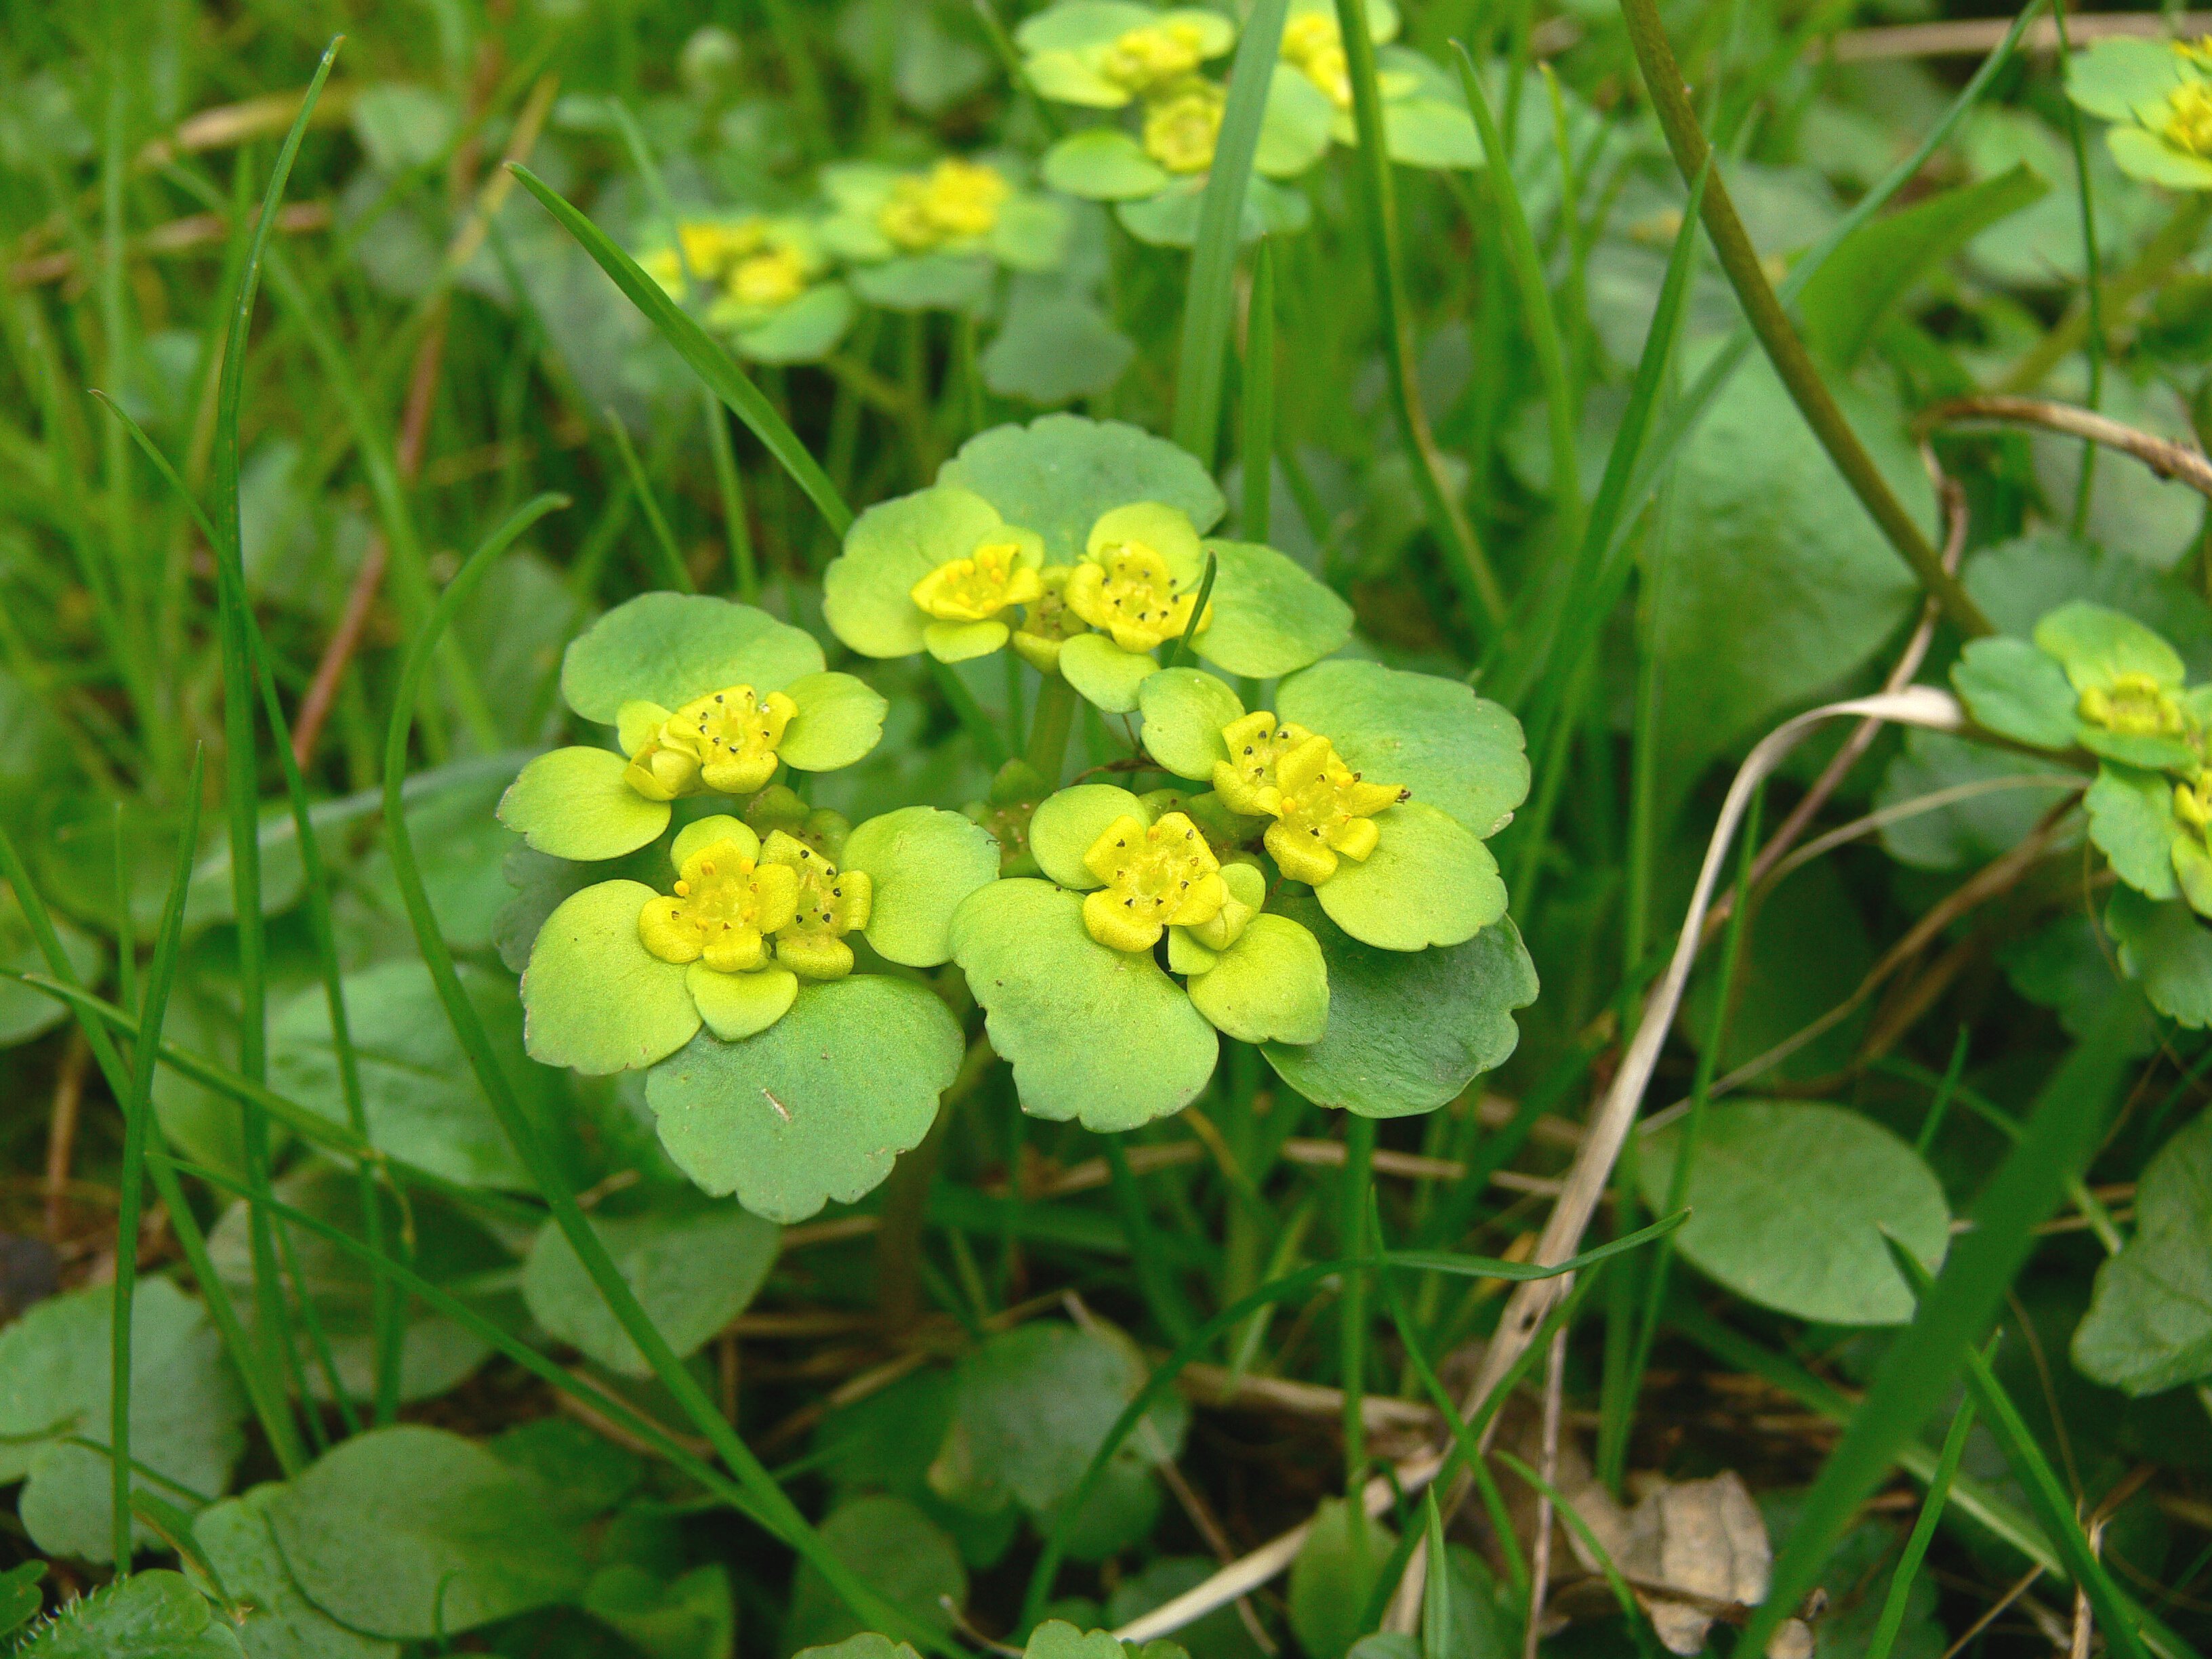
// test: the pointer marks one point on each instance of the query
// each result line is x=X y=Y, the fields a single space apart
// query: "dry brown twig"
x=2179 y=463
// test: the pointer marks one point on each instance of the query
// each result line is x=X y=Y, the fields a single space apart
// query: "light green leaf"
x=1185 y=709
x=1334 y=1575
x=1108 y=677
x=1067 y=823
x=280 y=1623
x=670 y=647
x=2150 y=1324
x=1270 y=986
x=1294 y=132
x=950 y=641
x=692 y=1268
x=1073 y=25
x=593 y=997
x=903 y=1554
x=2150 y=157
x=2016 y=691
x=1056 y=1639
x=868 y=1644
x=840 y=719
x=148 y=1615
x=2132 y=820
x=1060 y=472
x=24 y=1012
x=2116 y=79
x=923 y=862
x=2096 y=646
x=2166 y=949
x=1428 y=882
x=413 y=1532
x=805 y=331
x=1069 y=77
x=1032 y=233
x=1458 y=752
x=1052 y=347
x=1170 y=218
x=55 y=1369
x=705 y=832
x=1408 y=1030
x=927 y=282
x=734 y=1006
x=817 y=1107
x=1092 y=1033
x=1431 y=132
x=1270 y=617
x=420 y=1097
x=1103 y=164
x=867 y=591
x=1789 y=1201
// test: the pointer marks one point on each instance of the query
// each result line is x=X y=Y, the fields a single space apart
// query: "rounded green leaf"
x=704 y=832
x=1166 y=530
x=1058 y=474
x=1294 y=132
x=2132 y=820
x=593 y=997
x=1032 y=232
x=1789 y=1201
x=898 y=1551
x=1103 y=164
x=693 y=1269
x=738 y=1006
x=805 y=331
x=2164 y=949
x=1271 y=986
x=2116 y=78
x=1455 y=750
x=2150 y=1324
x=867 y=591
x=1428 y=882
x=1429 y=132
x=1408 y=1030
x=840 y=719
x=1070 y=77
x=817 y=1106
x=927 y=282
x=923 y=862
x=951 y=642
x=1185 y=709
x=2017 y=692
x=280 y=1622
x=670 y=647
x=2097 y=646
x=2148 y=157
x=1073 y=25
x=1055 y=346
x=1270 y=617
x=1067 y=823
x=415 y=1532
x=1092 y=1034
x=1108 y=677
x=575 y=804
x=1170 y=218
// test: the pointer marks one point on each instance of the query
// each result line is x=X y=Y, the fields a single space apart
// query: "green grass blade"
x=673 y=570
x=1528 y=268
x=2116 y=1614
x=708 y=359
x=1436 y=1590
x=1923 y=1530
x=2093 y=279
x=388 y=1317
x=1920 y=1364
x=1470 y=565
x=265 y=1394
x=1356 y=1239
x=138 y=1112
x=779 y=1514
x=1256 y=403
x=1180 y=650
x=1209 y=304
x=1278 y=1290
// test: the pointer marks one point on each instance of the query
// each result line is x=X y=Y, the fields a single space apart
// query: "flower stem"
x=1049 y=726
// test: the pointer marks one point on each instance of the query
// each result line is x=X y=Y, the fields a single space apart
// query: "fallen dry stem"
x=2177 y=462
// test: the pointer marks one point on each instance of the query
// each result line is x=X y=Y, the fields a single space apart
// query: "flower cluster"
x=2158 y=96
x=782 y=288
x=1152 y=66
x=2096 y=679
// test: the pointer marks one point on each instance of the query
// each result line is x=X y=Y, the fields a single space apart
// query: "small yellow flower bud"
x=1129 y=593
x=828 y=904
x=1314 y=46
x=1246 y=781
x=1047 y=622
x=978 y=587
x=767 y=279
x=2189 y=118
x=1183 y=126
x=2134 y=704
x=1143 y=59
x=1156 y=877
x=724 y=906
x=956 y=200
x=732 y=735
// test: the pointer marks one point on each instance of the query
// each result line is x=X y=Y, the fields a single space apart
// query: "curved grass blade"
x=387 y=1316
x=1209 y=302
x=241 y=762
x=1277 y=1290
x=1471 y=566
x=1918 y=1369
x=673 y=570
x=137 y=1113
x=779 y=1513
x=708 y=361
x=266 y=1395
x=2116 y=1614
x=1884 y=1639
x=1257 y=402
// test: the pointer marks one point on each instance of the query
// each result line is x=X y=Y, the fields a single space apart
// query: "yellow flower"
x=725 y=903
x=1158 y=878
x=954 y=201
x=828 y=905
x=1047 y=621
x=1127 y=591
x=1313 y=44
x=1144 y=57
x=2134 y=704
x=978 y=587
x=1183 y=125
x=1325 y=808
x=725 y=740
x=766 y=280
x=2198 y=51
x=712 y=246
x=2189 y=119
x=1246 y=781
